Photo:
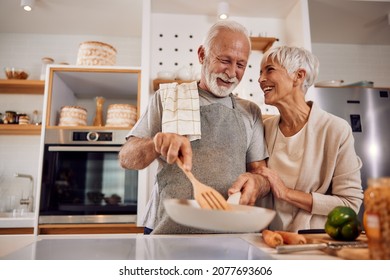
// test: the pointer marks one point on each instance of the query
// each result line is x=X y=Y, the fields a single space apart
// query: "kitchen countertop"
x=145 y=247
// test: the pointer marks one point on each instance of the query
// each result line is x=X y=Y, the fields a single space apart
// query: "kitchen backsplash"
x=17 y=155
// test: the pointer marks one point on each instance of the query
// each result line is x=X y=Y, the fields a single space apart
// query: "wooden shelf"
x=157 y=82
x=16 y=129
x=88 y=127
x=22 y=86
x=262 y=43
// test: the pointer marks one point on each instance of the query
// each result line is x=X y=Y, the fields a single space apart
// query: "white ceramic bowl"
x=166 y=75
x=240 y=218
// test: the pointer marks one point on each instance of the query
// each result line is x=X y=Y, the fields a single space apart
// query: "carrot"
x=292 y=237
x=272 y=238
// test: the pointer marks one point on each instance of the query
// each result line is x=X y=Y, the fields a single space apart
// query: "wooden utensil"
x=207 y=197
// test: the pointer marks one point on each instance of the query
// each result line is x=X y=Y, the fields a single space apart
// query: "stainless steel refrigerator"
x=367 y=110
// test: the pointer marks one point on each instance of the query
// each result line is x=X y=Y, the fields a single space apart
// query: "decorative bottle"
x=98 y=120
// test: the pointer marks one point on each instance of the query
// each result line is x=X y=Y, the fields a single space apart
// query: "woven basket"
x=96 y=53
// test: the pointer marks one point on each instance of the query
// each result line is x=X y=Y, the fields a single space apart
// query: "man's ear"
x=201 y=54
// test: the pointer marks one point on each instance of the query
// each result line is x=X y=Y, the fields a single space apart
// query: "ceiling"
x=332 y=21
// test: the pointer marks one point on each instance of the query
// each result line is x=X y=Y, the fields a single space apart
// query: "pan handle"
x=283 y=249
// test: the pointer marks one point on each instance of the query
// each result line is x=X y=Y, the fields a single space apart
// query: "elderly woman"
x=312 y=165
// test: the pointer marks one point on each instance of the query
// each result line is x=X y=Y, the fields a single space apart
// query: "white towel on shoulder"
x=181 y=112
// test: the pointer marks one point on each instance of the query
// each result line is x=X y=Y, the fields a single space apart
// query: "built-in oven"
x=82 y=180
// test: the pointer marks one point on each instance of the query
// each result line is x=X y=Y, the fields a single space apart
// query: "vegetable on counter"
x=343 y=224
x=272 y=238
x=276 y=238
x=292 y=238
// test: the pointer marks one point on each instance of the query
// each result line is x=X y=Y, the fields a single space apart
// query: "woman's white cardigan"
x=330 y=168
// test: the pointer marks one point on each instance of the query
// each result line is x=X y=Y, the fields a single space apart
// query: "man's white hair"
x=223 y=25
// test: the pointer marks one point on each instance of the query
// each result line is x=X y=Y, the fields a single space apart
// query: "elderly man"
x=218 y=136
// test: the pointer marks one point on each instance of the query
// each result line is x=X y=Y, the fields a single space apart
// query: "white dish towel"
x=181 y=112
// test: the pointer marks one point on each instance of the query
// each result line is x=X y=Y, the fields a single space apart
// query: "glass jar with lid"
x=10 y=117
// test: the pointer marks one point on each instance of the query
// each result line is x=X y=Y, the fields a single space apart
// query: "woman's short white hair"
x=223 y=25
x=294 y=58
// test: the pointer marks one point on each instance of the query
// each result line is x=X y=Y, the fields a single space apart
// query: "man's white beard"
x=211 y=82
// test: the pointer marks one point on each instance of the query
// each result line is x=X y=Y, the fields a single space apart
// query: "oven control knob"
x=92 y=136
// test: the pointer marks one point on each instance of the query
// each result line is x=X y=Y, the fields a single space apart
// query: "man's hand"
x=252 y=187
x=172 y=146
x=251 y=184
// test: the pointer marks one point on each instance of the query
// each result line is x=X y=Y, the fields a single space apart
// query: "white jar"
x=184 y=73
x=45 y=61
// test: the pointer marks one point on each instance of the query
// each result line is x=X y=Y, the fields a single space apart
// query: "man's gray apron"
x=218 y=159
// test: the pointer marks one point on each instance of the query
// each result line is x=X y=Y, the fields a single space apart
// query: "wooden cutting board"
x=347 y=253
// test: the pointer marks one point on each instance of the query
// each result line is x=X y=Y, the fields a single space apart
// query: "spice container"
x=23 y=119
x=376 y=217
x=10 y=117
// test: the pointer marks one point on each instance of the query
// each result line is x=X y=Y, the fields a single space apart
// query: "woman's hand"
x=281 y=191
x=278 y=188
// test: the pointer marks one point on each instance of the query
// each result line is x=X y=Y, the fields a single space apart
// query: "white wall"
x=26 y=50
x=353 y=63
x=298 y=31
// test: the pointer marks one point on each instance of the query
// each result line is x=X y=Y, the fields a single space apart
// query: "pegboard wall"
x=174 y=50
x=175 y=43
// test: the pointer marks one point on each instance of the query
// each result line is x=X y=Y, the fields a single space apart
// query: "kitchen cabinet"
x=18 y=87
x=19 y=230
x=89 y=229
x=95 y=164
x=79 y=86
